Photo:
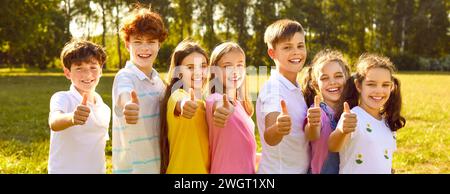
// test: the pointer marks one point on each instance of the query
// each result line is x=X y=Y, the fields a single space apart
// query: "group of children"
x=199 y=119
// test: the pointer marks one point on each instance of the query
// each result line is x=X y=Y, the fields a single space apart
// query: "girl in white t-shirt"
x=365 y=136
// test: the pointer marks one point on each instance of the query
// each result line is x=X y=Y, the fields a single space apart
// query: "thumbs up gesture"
x=131 y=109
x=283 y=120
x=349 y=120
x=314 y=114
x=190 y=106
x=222 y=113
x=81 y=113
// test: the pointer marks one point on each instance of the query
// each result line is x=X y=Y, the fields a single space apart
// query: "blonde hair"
x=216 y=55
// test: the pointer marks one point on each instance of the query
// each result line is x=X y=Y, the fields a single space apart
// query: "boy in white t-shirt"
x=284 y=147
x=78 y=118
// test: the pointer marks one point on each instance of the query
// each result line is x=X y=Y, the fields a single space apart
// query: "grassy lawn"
x=423 y=145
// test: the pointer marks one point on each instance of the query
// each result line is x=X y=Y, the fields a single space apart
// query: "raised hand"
x=349 y=120
x=81 y=113
x=131 y=109
x=283 y=120
x=222 y=113
x=190 y=106
x=314 y=114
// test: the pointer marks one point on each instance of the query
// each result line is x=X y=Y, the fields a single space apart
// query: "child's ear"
x=357 y=85
x=66 y=72
x=271 y=53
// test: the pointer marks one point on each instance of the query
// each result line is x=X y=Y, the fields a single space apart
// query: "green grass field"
x=423 y=145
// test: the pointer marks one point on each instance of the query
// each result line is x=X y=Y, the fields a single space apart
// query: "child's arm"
x=339 y=137
x=60 y=121
x=129 y=103
x=186 y=108
x=221 y=112
x=279 y=125
x=313 y=126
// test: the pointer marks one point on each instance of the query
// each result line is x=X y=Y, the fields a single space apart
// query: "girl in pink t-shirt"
x=228 y=112
x=322 y=88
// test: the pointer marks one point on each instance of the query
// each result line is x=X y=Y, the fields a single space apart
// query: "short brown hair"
x=143 y=21
x=76 y=51
x=281 y=30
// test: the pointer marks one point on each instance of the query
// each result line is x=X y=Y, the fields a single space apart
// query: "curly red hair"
x=145 y=22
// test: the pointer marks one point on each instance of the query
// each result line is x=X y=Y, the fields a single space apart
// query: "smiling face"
x=143 y=50
x=375 y=90
x=330 y=81
x=194 y=70
x=84 y=75
x=289 y=55
x=232 y=66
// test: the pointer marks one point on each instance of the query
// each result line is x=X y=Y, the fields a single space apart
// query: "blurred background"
x=413 y=33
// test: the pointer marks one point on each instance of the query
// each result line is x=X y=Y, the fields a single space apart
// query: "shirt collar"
x=139 y=73
x=288 y=84
x=79 y=98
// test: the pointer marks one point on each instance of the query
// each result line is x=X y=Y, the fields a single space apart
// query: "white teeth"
x=333 y=89
x=295 y=60
x=377 y=98
x=144 y=56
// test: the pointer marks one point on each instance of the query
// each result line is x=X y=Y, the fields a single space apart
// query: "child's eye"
x=286 y=47
x=324 y=78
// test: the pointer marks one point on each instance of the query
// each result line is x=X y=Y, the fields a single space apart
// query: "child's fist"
x=283 y=120
x=222 y=113
x=349 y=120
x=81 y=113
x=131 y=109
x=190 y=106
x=314 y=114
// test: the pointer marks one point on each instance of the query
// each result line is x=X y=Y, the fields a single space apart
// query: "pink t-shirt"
x=319 y=148
x=233 y=148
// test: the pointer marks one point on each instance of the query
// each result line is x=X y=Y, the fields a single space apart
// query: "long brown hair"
x=392 y=108
x=309 y=86
x=183 y=49
x=242 y=92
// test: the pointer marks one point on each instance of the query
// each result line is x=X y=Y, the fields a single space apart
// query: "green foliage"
x=33 y=32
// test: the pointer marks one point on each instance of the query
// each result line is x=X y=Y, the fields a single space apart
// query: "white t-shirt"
x=136 y=147
x=80 y=148
x=291 y=155
x=370 y=148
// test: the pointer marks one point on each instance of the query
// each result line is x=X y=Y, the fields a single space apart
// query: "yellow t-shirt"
x=188 y=139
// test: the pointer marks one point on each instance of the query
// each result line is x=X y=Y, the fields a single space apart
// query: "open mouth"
x=197 y=79
x=334 y=90
x=87 y=82
x=144 y=56
x=376 y=98
x=295 y=61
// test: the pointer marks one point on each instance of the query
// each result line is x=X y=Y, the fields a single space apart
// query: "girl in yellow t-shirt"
x=184 y=131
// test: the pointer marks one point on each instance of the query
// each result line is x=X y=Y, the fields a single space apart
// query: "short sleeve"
x=173 y=99
x=270 y=102
x=59 y=103
x=124 y=84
